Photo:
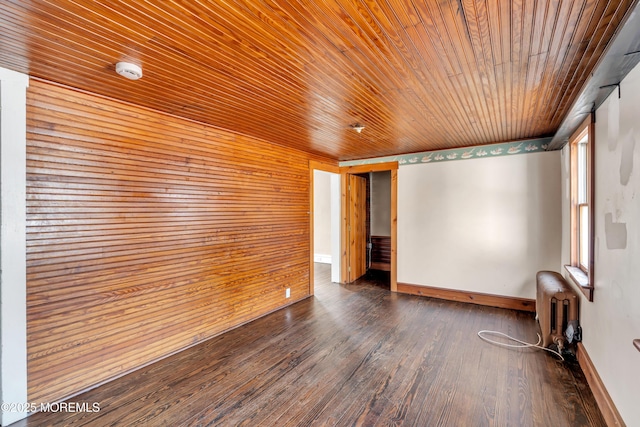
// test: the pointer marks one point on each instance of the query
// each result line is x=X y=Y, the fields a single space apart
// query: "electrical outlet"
x=287 y=293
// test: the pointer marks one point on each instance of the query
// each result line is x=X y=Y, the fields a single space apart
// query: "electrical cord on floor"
x=522 y=344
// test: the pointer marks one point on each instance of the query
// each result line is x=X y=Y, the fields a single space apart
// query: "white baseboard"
x=321 y=258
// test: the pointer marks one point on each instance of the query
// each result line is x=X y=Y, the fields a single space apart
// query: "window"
x=581 y=148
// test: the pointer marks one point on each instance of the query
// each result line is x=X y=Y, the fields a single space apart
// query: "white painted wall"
x=612 y=320
x=13 y=299
x=481 y=225
x=322 y=216
x=381 y=203
x=335 y=227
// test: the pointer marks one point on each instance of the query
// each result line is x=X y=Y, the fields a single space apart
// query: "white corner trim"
x=15 y=78
x=13 y=285
x=335 y=227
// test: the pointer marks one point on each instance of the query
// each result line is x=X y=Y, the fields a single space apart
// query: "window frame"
x=580 y=273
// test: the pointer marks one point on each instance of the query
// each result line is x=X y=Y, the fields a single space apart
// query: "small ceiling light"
x=129 y=70
x=357 y=127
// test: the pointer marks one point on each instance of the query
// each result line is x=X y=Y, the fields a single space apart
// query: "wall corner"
x=13 y=299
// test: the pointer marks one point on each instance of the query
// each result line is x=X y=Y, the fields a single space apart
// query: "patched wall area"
x=612 y=320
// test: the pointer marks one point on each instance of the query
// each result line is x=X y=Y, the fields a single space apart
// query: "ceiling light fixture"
x=129 y=70
x=357 y=127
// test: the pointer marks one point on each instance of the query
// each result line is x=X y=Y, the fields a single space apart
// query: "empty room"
x=327 y=212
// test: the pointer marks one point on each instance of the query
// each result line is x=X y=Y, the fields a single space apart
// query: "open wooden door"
x=356 y=228
x=348 y=240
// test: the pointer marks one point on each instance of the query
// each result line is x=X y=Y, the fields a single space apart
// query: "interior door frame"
x=325 y=167
x=344 y=235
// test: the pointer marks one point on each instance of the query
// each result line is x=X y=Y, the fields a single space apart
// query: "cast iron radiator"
x=556 y=310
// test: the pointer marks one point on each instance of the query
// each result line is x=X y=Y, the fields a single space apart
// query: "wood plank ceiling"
x=419 y=74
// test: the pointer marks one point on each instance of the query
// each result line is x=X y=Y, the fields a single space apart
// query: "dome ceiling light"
x=357 y=127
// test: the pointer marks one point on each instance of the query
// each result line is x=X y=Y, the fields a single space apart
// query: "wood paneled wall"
x=148 y=233
x=381 y=253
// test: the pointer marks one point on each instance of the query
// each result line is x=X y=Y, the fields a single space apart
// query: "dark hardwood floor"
x=351 y=355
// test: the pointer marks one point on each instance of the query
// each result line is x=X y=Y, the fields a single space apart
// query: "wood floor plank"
x=351 y=355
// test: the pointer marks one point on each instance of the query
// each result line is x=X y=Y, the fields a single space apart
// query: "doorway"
x=341 y=252
x=325 y=221
x=369 y=226
x=357 y=239
x=380 y=222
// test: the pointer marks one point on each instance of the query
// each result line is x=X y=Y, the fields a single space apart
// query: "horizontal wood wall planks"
x=381 y=253
x=148 y=233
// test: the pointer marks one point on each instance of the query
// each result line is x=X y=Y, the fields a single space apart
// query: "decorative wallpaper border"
x=480 y=151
